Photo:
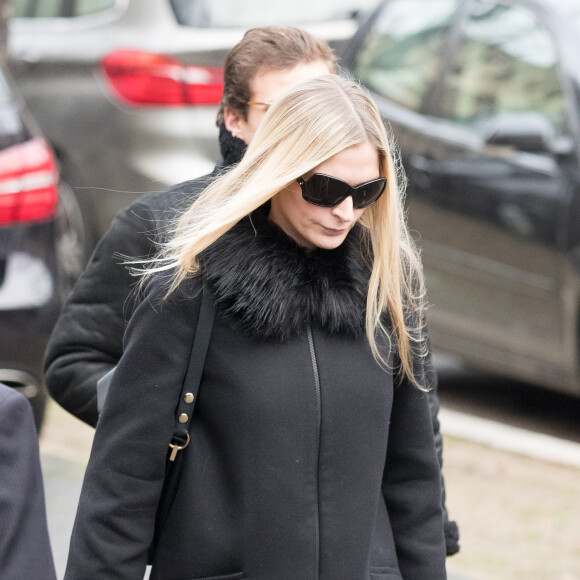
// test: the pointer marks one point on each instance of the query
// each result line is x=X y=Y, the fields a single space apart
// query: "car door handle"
x=424 y=164
x=24 y=63
x=422 y=170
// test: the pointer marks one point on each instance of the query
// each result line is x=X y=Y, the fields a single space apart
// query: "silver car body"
x=111 y=152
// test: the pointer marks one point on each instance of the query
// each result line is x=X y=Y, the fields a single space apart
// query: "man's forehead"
x=268 y=84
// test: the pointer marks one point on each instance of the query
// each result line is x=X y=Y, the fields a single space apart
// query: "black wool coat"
x=25 y=551
x=306 y=460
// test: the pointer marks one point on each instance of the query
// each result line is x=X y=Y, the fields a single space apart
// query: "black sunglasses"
x=327 y=191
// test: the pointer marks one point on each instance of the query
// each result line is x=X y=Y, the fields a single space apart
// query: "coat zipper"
x=318 y=433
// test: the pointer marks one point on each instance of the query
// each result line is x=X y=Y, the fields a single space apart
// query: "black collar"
x=232 y=149
x=273 y=288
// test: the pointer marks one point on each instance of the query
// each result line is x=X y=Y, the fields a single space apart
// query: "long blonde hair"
x=308 y=124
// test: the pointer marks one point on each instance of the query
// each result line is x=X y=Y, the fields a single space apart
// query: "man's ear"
x=233 y=121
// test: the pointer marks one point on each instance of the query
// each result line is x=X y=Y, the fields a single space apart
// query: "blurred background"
x=102 y=100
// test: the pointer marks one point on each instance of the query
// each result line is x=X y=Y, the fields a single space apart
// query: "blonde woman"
x=312 y=452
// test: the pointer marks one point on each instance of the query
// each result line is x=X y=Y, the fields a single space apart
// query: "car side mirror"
x=530 y=132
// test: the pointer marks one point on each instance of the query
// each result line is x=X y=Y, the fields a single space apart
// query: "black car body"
x=483 y=98
x=35 y=247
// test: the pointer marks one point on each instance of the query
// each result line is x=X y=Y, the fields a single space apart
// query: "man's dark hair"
x=265 y=49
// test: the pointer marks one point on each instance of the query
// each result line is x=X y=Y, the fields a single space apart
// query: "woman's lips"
x=333 y=232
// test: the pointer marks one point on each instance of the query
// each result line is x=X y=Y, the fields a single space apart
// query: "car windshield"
x=250 y=13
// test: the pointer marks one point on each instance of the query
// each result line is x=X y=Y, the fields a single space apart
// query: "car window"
x=36 y=8
x=401 y=55
x=506 y=63
x=12 y=130
x=86 y=7
x=57 y=8
x=250 y=13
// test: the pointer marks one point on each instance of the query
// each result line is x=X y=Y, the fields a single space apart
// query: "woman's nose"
x=344 y=210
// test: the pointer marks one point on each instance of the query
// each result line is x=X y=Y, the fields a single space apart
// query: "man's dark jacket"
x=87 y=340
x=307 y=458
x=25 y=552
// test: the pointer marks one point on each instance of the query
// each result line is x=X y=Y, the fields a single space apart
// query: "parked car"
x=126 y=91
x=39 y=246
x=483 y=98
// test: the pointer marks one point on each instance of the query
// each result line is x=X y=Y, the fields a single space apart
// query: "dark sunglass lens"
x=368 y=193
x=325 y=190
x=328 y=191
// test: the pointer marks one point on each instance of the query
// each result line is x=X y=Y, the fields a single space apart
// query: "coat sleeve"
x=412 y=482
x=122 y=486
x=432 y=383
x=24 y=544
x=87 y=340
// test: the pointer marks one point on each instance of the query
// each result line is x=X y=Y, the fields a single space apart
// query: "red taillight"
x=141 y=78
x=28 y=182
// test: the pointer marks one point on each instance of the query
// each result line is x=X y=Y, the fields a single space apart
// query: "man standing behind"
x=87 y=341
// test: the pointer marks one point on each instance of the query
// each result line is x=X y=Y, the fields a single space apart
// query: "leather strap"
x=185 y=408
x=190 y=389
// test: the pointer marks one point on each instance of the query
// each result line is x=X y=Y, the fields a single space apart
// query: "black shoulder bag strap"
x=184 y=413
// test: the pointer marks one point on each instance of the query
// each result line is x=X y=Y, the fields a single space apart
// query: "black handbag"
x=183 y=415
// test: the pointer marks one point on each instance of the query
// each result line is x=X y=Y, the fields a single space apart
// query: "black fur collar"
x=273 y=288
